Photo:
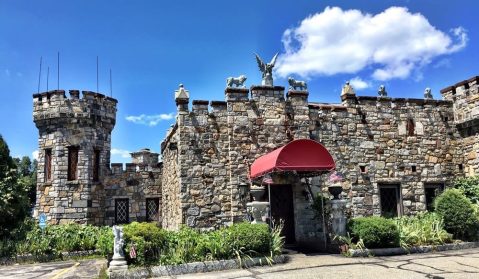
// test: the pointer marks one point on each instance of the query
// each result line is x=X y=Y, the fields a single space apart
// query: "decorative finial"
x=182 y=93
x=266 y=69
x=348 y=89
x=382 y=91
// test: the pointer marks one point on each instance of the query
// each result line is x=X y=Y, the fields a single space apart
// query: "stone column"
x=338 y=218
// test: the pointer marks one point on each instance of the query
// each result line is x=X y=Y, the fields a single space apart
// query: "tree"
x=14 y=201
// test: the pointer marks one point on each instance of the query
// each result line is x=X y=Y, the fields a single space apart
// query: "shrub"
x=469 y=186
x=422 y=229
x=149 y=241
x=458 y=214
x=375 y=232
x=249 y=238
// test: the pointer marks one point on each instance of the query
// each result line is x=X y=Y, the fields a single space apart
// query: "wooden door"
x=282 y=209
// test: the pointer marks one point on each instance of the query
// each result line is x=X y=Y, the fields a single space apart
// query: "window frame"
x=47 y=167
x=156 y=200
x=73 y=163
x=117 y=202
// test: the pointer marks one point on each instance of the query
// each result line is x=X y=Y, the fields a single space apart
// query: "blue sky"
x=152 y=46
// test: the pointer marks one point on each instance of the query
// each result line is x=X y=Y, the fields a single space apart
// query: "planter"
x=335 y=190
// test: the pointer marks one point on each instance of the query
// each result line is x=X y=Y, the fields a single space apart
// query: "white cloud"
x=394 y=43
x=359 y=84
x=35 y=154
x=123 y=153
x=150 y=120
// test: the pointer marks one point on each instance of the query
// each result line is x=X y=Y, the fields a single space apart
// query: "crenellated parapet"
x=55 y=107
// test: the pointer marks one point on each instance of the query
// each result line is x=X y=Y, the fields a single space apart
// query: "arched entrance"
x=281 y=170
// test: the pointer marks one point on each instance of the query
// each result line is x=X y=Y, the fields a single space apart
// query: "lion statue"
x=297 y=83
x=238 y=81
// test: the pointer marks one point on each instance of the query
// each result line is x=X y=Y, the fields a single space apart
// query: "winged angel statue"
x=266 y=69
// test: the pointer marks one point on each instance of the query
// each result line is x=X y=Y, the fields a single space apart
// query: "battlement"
x=465 y=96
x=56 y=105
x=118 y=169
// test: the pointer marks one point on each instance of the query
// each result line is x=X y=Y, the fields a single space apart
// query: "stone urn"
x=257 y=192
x=335 y=190
x=259 y=211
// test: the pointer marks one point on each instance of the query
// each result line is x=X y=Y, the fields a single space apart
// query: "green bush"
x=154 y=245
x=458 y=214
x=422 y=229
x=375 y=232
x=469 y=186
x=148 y=240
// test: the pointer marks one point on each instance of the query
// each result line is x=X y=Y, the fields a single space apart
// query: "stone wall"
x=372 y=144
x=137 y=182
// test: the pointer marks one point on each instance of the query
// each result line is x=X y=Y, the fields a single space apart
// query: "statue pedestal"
x=117 y=265
x=267 y=80
x=338 y=218
x=259 y=211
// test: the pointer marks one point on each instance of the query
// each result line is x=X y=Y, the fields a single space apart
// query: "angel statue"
x=266 y=70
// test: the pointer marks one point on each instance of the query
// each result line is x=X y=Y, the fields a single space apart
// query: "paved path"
x=441 y=265
x=53 y=270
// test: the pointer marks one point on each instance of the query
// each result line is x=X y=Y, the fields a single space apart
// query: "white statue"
x=239 y=81
x=118 y=262
x=266 y=70
x=297 y=83
x=118 y=242
x=428 y=94
x=382 y=91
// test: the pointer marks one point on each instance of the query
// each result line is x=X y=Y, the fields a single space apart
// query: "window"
x=390 y=200
x=122 y=211
x=410 y=127
x=48 y=165
x=363 y=169
x=460 y=167
x=432 y=190
x=96 y=165
x=152 y=209
x=413 y=168
x=72 y=162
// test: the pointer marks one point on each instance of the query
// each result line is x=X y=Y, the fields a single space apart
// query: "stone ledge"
x=236 y=90
x=196 y=267
x=412 y=250
x=267 y=87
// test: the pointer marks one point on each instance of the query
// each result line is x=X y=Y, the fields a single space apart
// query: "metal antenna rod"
x=111 y=87
x=48 y=76
x=39 y=75
x=58 y=67
x=97 y=74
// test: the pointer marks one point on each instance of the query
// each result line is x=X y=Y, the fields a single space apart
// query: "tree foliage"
x=469 y=186
x=15 y=203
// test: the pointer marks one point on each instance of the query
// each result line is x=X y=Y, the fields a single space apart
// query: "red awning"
x=302 y=155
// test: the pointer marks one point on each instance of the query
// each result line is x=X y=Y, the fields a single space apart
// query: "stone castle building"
x=396 y=155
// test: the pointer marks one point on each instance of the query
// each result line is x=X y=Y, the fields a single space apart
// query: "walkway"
x=450 y=264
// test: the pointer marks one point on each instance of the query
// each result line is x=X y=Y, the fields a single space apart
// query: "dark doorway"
x=282 y=209
x=390 y=200
x=432 y=190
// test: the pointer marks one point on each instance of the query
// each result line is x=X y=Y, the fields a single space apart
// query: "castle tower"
x=74 y=154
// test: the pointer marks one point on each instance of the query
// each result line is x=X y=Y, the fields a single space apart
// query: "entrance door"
x=282 y=209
